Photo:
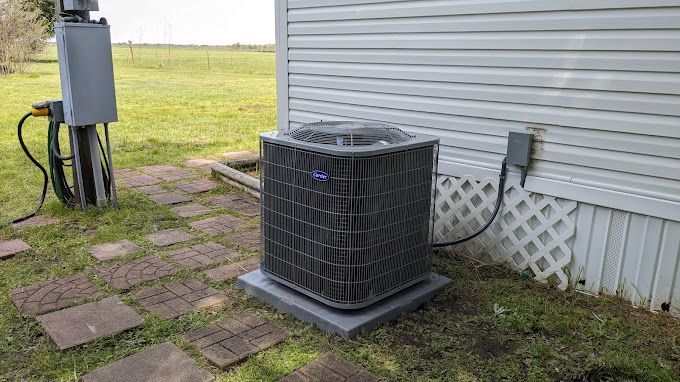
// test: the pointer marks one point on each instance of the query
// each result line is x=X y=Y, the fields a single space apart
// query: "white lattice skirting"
x=532 y=230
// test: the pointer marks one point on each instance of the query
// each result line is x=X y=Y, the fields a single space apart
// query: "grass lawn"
x=171 y=109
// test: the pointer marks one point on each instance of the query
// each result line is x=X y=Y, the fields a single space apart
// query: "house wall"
x=596 y=81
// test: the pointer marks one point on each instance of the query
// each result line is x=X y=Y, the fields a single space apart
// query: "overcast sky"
x=204 y=22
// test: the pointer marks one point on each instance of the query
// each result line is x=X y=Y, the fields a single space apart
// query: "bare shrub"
x=22 y=34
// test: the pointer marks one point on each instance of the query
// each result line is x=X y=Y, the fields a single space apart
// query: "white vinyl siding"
x=598 y=82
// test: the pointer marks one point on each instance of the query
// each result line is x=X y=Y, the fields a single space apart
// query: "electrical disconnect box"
x=81 y=5
x=86 y=70
x=520 y=145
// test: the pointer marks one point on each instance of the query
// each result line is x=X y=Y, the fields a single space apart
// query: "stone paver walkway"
x=110 y=251
x=192 y=210
x=150 y=190
x=169 y=237
x=241 y=204
x=249 y=240
x=139 y=181
x=330 y=368
x=11 y=248
x=77 y=326
x=167 y=173
x=233 y=340
x=52 y=295
x=161 y=363
x=197 y=186
x=202 y=255
x=201 y=164
x=134 y=272
x=177 y=299
x=232 y=271
x=218 y=225
x=124 y=173
x=35 y=222
x=169 y=198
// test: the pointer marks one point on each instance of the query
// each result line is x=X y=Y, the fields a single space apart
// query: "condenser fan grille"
x=350 y=134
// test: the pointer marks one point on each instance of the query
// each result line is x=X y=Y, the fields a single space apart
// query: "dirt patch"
x=456 y=304
x=488 y=345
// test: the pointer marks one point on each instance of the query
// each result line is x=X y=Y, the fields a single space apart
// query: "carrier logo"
x=320 y=176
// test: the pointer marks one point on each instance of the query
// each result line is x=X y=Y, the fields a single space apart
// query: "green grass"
x=171 y=109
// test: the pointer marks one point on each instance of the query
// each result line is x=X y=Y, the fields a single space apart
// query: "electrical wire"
x=62 y=189
x=20 y=127
x=499 y=204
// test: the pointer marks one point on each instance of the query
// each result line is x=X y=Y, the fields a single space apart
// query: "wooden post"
x=208 y=53
x=132 y=53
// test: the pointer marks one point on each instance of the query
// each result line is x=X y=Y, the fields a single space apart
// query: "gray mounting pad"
x=346 y=323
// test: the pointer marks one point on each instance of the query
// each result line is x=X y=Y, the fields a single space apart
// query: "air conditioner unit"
x=347 y=210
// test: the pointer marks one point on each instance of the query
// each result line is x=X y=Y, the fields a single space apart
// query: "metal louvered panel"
x=356 y=237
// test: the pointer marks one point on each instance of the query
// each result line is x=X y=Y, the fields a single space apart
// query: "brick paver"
x=192 y=210
x=36 y=221
x=197 y=186
x=177 y=299
x=124 y=173
x=139 y=181
x=249 y=240
x=52 y=295
x=218 y=225
x=168 y=173
x=232 y=271
x=150 y=190
x=242 y=204
x=134 y=272
x=11 y=248
x=330 y=368
x=203 y=255
x=85 y=323
x=201 y=164
x=169 y=198
x=231 y=341
x=169 y=237
x=161 y=363
x=110 y=251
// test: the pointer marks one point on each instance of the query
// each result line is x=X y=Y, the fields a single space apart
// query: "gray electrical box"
x=81 y=5
x=519 y=148
x=86 y=70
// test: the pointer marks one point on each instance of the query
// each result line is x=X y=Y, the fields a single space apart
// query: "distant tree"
x=23 y=32
x=47 y=12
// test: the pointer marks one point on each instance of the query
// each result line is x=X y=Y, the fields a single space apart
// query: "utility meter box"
x=81 y=5
x=86 y=71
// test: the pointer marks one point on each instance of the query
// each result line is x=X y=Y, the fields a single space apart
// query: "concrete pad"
x=83 y=324
x=161 y=363
x=345 y=323
x=110 y=251
x=9 y=249
x=169 y=237
x=35 y=222
x=197 y=186
x=192 y=210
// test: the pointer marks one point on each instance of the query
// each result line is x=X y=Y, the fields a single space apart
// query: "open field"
x=172 y=109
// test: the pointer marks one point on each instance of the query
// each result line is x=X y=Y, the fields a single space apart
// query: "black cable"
x=37 y=164
x=499 y=203
x=55 y=143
